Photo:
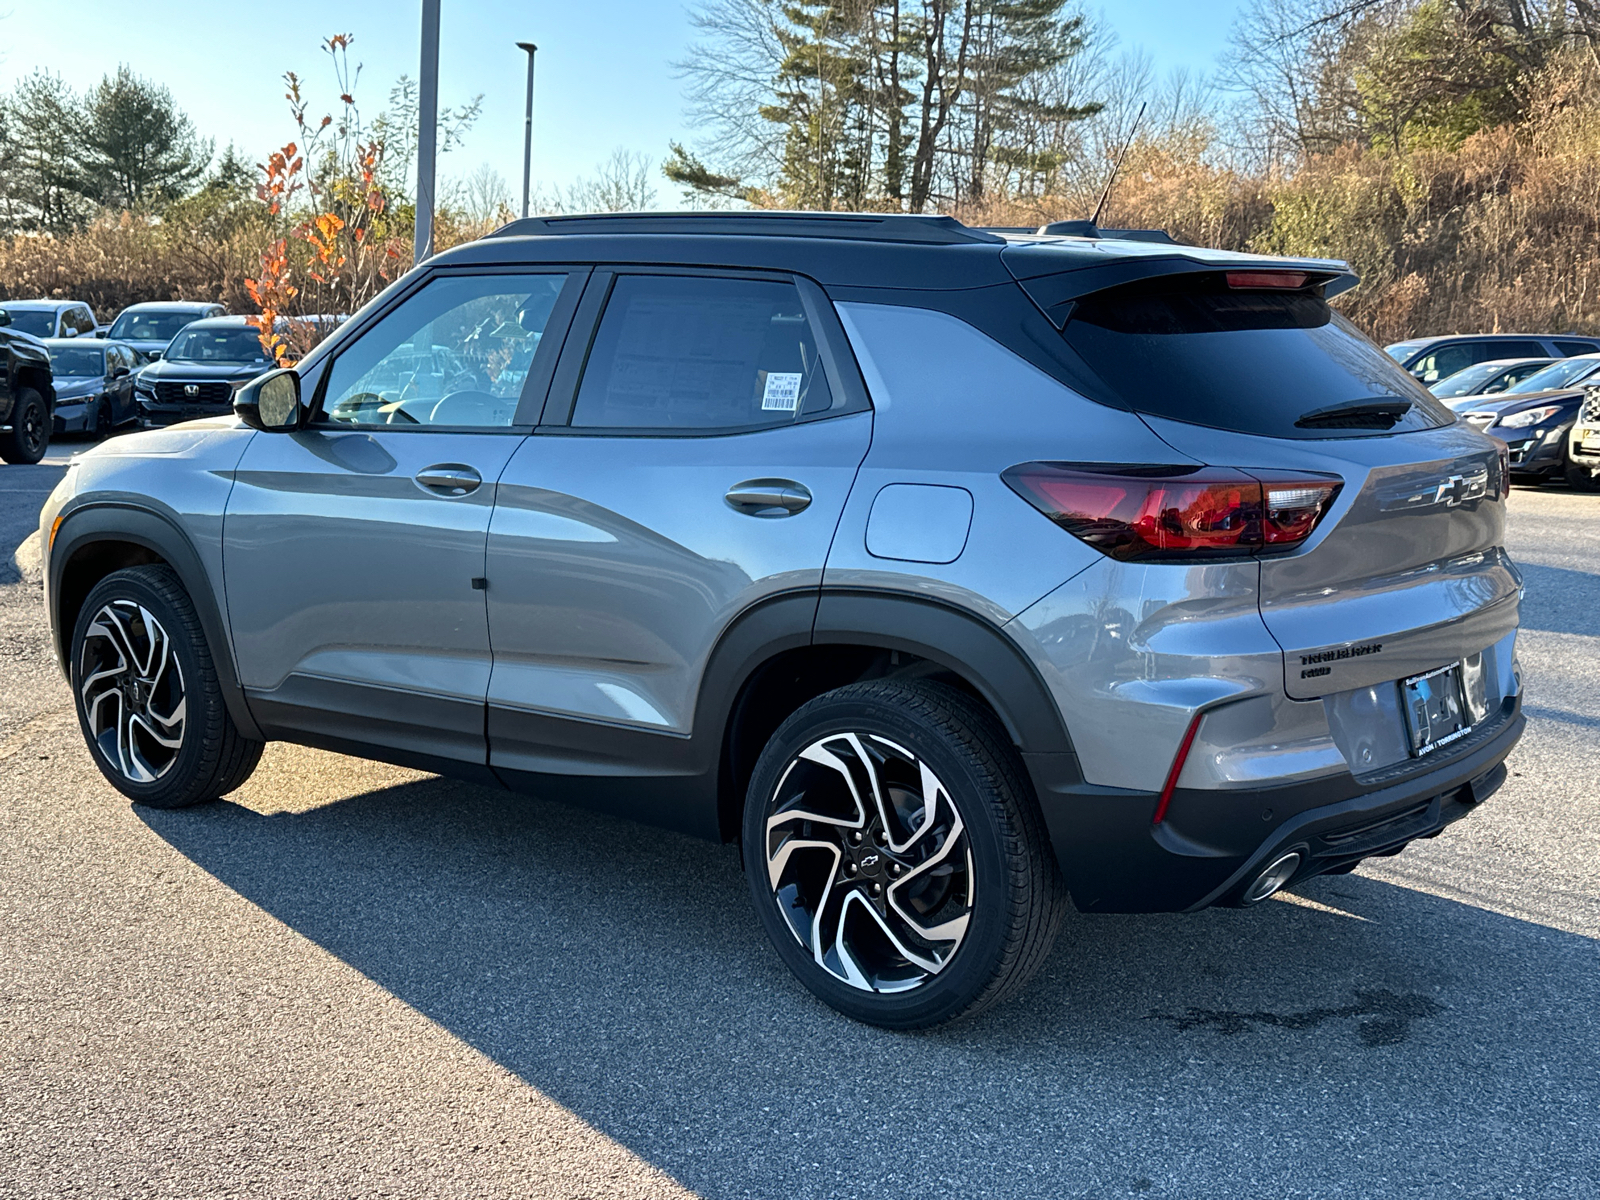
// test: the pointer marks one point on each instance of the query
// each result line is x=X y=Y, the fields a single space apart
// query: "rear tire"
x=30 y=430
x=147 y=694
x=934 y=895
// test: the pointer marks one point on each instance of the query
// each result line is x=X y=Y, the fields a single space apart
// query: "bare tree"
x=622 y=183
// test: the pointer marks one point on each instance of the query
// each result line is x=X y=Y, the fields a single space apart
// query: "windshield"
x=1275 y=362
x=150 y=325
x=1558 y=375
x=1463 y=382
x=39 y=322
x=1401 y=351
x=240 y=344
x=78 y=361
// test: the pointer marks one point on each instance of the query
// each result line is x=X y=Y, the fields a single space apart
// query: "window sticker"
x=782 y=393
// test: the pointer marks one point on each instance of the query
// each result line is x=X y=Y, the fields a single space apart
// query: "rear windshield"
x=1194 y=349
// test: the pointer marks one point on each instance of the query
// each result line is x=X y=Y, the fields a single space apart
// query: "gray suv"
x=952 y=574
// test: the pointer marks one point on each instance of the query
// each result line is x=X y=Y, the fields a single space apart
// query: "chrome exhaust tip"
x=1278 y=873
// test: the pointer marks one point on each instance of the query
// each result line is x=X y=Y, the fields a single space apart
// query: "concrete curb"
x=29 y=559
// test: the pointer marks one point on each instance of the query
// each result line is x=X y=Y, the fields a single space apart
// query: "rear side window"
x=1254 y=361
x=1570 y=348
x=701 y=353
x=1511 y=348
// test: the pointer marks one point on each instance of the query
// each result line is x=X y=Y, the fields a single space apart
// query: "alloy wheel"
x=132 y=691
x=32 y=430
x=869 y=862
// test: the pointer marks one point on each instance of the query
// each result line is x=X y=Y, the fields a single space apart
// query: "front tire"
x=147 y=694
x=1577 y=475
x=897 y=857
x=98 y=419
x=29 y=437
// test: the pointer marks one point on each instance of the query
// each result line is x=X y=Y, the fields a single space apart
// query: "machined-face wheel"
x=132 y=691
x=869 y=862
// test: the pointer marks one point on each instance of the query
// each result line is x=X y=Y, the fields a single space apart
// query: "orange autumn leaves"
x=340 y=252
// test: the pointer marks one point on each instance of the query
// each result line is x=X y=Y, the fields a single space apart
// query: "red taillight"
x=1140 y=513
x=1290 y=281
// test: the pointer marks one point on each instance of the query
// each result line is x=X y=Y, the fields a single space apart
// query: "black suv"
x=27 y=395
x=205 y=364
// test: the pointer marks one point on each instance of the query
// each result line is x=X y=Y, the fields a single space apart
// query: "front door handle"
x=448 y=479
x=768 y=497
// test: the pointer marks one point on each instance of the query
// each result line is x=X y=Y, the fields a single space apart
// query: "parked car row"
x=66 y=373
x=1525 y=389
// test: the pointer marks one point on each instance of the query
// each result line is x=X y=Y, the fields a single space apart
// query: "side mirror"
x=271 y=402
x=152 y=355
x=119 y=373
x=5 y=317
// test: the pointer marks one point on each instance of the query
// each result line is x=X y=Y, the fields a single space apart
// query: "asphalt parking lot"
x=353 y=980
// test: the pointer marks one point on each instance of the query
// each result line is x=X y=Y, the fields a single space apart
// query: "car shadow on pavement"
x=621 y=971
x=1559 y=599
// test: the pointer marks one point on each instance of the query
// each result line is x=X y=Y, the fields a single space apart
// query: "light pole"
x=527 y=130
x=427 y=128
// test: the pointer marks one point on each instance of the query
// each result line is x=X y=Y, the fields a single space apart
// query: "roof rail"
x=867 y=227
x=1089 y=229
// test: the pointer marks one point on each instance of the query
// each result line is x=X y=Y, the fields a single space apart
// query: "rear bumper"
x=1214 y=842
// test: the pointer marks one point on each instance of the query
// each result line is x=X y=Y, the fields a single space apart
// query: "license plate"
x=1591 y=439
x=1436 y=709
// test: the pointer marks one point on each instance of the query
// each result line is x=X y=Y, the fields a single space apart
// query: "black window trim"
x=319 y=367
x=838 y=361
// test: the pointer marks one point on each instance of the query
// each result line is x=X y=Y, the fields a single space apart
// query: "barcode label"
x=782 y=393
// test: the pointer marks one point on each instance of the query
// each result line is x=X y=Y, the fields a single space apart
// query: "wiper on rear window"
x=1378 y=412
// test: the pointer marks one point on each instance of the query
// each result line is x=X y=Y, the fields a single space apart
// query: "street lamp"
x=527 y=130
x=427 y=128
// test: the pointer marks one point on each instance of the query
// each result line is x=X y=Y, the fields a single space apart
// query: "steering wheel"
x=470 y=407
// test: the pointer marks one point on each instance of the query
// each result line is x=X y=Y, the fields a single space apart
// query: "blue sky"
x=604 y=77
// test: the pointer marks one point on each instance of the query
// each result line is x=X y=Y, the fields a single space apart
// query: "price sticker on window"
x=782 y=392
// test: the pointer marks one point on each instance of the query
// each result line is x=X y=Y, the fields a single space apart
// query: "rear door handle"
x=449 y=479
x=768 y=497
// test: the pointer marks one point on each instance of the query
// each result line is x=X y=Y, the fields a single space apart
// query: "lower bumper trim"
x=1116 y=860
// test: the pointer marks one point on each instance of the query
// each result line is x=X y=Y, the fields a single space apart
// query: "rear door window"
x=1254 y=361
x=700 y=354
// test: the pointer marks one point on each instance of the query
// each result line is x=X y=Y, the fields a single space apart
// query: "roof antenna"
x=1115 y=167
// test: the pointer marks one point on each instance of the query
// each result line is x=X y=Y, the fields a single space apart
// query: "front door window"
x=456 y=354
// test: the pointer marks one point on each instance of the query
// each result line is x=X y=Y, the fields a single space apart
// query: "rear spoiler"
x=1056 y=291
